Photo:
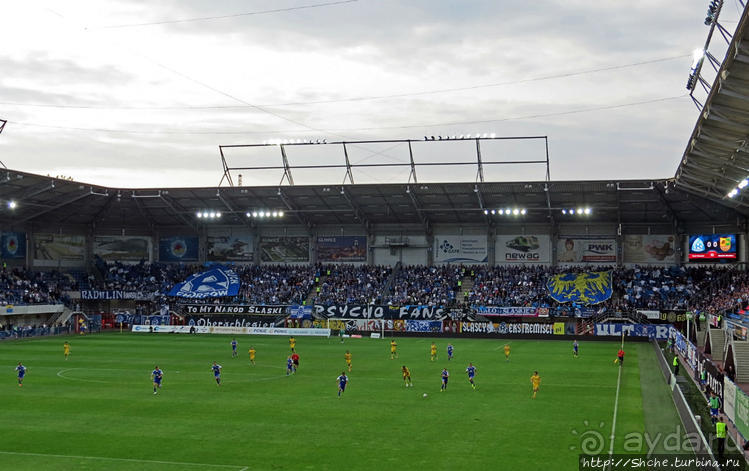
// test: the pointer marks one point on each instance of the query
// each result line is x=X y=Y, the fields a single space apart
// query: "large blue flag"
x=213 y=283
x=581 y=288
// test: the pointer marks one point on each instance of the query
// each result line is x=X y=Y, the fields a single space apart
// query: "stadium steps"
x=61 y=318
x=741 y=354
x=312 y=295
x=466 y=287
x=717 y=344
x=387 y=289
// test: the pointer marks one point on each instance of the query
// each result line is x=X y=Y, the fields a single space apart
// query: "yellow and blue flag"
x=581 y=288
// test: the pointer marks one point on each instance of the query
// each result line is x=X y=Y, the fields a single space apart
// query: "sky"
x=141 y=94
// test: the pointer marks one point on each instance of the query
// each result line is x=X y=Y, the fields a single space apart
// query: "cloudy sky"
x=142 y=93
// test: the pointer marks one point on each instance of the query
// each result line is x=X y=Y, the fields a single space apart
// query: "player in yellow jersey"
x=252 y=355
x=66 y=349
x=535 y=381
x=347 y=356
x=434 y=351
x=406 y=377
x=292 y=342
x=393 y=351
x=507 y=352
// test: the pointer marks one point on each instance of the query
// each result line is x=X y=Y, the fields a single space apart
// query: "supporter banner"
x=525 y=328
x=581 y=288
x=460 y=249
x=729 y=399
x=213 y=283
x=423 y=326
x=739 y=330
x=741 y=412
x=586 y=251
x=178 y=249
x=13 y=245
x=450 y=325
x=90 y=294
x=657 y=332
x=645 y=249
x=512 y=311
x=58 y=247
x=232 y=321
x=342 y=249
x=300 y=312
x=233 y=330
x=284 y=249
x=559 y=328
x=478 y=327
x=714 y=321
x=522 y=249
x=649 y=314
x=123 y=248
x=372 y=311
x=713 y=375
x=229 y=247
x=273 y=310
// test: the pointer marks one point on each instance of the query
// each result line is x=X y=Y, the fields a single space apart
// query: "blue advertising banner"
x=213 y=283
x=657 y=332
x=13 y=245
x=582 y=288
x=423 y=326
x=178 y=249
x=342 y=249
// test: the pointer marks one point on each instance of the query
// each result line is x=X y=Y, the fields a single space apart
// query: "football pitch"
x=97 y=410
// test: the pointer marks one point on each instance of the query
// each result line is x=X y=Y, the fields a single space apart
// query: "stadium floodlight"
x=515 y=211
x=205 y=214
x=494 y=211
x=212 y=214
x=733 y=193
x=275 y=214
x=486 y=211
x=587 y=211
x=493 y=135
x=254 y=214
x=742 y=184
x=579 y=211
x=523 y=211
x=572 y=211
x=508 y=211
x=697 y=55
x=218 y=214
x=564 y=211
x=280 y=214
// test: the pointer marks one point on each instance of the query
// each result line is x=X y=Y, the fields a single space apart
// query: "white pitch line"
x=616 y=406
x=130 y=460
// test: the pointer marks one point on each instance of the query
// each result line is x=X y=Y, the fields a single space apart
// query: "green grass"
x=100 y=404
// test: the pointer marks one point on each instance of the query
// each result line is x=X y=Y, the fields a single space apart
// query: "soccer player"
x=289 y=365
x=575 y=347
x=156 y=376
x=21 y=373
x=292 y=343
x=340 y=334
x=347 y=356
x=535 y=381
x=342 y=382
x=471 y=370
x=434 y=351
x=449 y=351
x=393 y=350
x=66 y=349
x=444 y=375
x=217 y=373
x=507 y=352
x=234 y=348
x=406 y=376
x=295 y=360
x=620 y=357
x=714 y=403
x=252 y=355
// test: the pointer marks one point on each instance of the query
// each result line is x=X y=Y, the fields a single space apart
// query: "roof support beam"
x=292 y=207
x=58 y=206
x=419 y=211
x=178 y=211
x=357 y=210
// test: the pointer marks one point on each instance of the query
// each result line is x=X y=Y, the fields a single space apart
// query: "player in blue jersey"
x=575 y=347
x=449 y=351
x=234 y=348
x=289 y=366
x=156 y=376
x=21 y=373
x=444 y=375
x=471 y=370
x=342 y=382
x=216 y=372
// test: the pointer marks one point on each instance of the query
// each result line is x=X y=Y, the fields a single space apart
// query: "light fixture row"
x=737 y=189
x=507 y=211
x=586 y=211
x=208 y=214
x=461 y=136
x=264 y=214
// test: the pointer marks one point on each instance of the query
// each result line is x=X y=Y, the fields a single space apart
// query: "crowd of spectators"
x=347 y=284
x=19 y=286
x=427 y=286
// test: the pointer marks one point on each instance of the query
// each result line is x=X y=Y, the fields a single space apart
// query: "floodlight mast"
x=3 y=122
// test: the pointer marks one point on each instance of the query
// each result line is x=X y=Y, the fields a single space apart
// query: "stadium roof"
x=717 y=155
x=51 y=202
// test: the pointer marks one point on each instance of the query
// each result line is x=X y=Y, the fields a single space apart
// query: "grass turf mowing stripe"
x=129 y=460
